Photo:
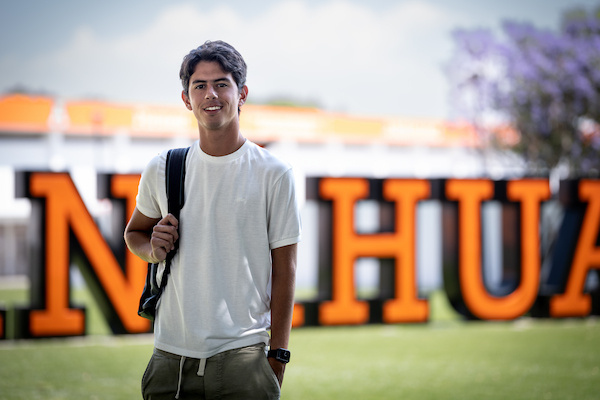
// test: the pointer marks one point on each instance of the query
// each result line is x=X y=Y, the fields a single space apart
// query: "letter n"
x=64 y=219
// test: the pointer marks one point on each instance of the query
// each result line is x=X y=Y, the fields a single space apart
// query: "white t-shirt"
x=237 y=209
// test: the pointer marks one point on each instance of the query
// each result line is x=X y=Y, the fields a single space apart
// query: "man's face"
x=214 y=97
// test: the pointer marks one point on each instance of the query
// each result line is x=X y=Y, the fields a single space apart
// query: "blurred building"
x=87 y=137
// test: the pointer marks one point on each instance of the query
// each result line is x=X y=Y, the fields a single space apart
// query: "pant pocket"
x=269 y=372
x=146 y=375
x=248 y=374
x=160 y=377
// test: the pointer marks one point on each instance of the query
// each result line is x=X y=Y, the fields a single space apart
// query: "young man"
x=232 y=278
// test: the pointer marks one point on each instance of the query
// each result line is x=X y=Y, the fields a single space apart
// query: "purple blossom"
x=542 y=82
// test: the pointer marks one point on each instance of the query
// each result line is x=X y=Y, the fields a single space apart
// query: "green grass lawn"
x=444 y=359
x=476 y=360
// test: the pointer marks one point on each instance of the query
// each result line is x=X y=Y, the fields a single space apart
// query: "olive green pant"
x=243 y=373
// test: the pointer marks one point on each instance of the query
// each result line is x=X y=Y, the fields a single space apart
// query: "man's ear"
x=186 y=100
x=243 y=96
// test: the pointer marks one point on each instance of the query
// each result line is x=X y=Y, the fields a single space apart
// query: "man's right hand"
x=151 y=239
x=164 y=235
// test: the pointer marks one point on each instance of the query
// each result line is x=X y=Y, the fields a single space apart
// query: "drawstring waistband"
x=181 y=363
x=201 y=363
x=201 y=367
x=182 y=360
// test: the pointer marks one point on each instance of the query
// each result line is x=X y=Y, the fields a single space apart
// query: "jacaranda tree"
x=544 y=85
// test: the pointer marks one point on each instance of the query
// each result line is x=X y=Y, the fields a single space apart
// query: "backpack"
x=175 y=179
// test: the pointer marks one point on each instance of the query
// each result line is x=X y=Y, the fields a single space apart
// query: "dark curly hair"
x=226 y=55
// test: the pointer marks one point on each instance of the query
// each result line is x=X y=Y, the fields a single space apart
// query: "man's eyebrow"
x=215 y=80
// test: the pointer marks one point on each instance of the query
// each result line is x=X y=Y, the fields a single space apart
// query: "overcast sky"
x=373 y=57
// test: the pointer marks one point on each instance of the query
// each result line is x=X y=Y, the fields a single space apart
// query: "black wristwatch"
x=282 y=355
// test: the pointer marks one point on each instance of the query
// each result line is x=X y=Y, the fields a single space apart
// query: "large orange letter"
x=65 y=212
x=470 y=194
x=348 y=246
x=573 y=302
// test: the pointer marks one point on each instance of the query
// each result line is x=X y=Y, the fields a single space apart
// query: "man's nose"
x=211 y=93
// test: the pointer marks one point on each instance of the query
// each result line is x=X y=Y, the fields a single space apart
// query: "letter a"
x=573 y=302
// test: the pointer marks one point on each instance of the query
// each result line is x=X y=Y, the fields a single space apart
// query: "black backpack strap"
x=175 y=180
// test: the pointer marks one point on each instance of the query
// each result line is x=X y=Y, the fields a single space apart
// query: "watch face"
x=282 y=355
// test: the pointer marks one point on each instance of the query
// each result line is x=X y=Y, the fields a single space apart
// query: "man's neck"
x=218 y=144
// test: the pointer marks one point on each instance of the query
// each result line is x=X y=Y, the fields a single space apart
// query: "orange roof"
x=260 y=123
x=22 y=113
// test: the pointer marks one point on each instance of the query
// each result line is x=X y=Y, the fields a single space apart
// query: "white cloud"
x=343 y=55
x=350 y=56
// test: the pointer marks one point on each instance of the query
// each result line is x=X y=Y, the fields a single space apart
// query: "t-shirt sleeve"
x=284 y=223
x=151 y=201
